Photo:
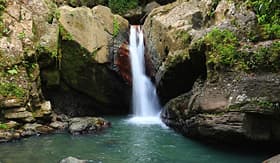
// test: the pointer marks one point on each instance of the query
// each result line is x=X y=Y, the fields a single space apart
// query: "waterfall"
x=145 y=102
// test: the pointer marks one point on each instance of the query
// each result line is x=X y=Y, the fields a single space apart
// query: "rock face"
x=21 y=99
x=73 y=50
x=87 y=48
x=199 y=52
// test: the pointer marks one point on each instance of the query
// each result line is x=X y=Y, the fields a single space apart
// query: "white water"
x=146 y=106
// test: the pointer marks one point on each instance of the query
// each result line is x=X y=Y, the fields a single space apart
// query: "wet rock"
x=84 y=125
x=30 y=129
x=59 y=125
x=72 y=160
x=8 y=135
x=123 y=62
x=274 y=159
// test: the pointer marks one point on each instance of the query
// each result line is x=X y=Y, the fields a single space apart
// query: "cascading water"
x=146 y=106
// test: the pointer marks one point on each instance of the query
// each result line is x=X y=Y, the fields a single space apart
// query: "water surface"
x=124 y=143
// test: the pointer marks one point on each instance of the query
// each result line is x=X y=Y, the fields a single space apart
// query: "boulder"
x=88 y=40
x=274 y=159
x=8 y=135
x=84 y=125
x=214 y=82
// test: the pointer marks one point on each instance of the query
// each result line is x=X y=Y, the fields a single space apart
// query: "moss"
x=3 y=126
x=173 y=60
x=73 y=58
x=122 y=6
x=65 y=35
x=53 y=12
x=116 y=27
x=224 y=53
x=214 y=5
x=184 y=36
x=268 y=105
x=30 y=68
x=13 y=70
x=11 y=90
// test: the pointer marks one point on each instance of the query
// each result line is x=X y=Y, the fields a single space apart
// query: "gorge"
x=214 y=64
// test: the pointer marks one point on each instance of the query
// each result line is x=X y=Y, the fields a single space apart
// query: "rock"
x=59 y=125
x=45 y=110
x=86 y=55
x=134 y=15
x=150 y=6
x=29 y=27
x=8 y=135
x=30 y=129
x=83 y=125
x=51 y=78
x=44 y=129
x=169 y=31
x=172 y=33
x=71 y=159
x=11 y=103
x=123 y=62
x=19 y=114
x=12 y=124
x=274 y=159
x=214 y=99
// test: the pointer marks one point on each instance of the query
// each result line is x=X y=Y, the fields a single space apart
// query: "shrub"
x=268 y=14
x=122 y=6
x=221 y=47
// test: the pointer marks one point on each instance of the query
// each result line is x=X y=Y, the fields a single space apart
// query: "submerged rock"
x=71 y=159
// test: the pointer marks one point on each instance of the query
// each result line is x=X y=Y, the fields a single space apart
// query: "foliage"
x=122 y=6
x=265 y=58
x=10 y=89
x=268 y=14
x=214 y=5
x=65 y=35
x=21 y=35
x=3 y=126
x=116 y=27
x=223 y=52
x=53 y=12
x=222 y=48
